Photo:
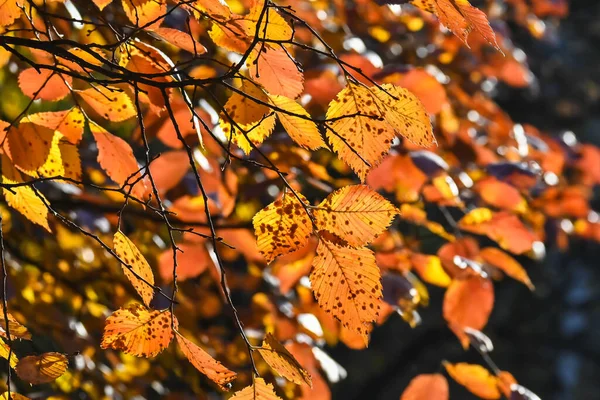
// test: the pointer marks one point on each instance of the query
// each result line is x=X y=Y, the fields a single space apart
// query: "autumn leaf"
x=468 y=303
x=180 y=39
x=69 y=123
x=23 y=198
x=144 y=12
x=259 y=390
x=191 y=262
x=44 y=85
x=283 y=226
x=346 y=283
x=303 y=131
x=506 y=264
x=138 y=331
x=426 y=386
x=101 y=4
x=242 y=114
x=430 y=269
x=475 y=378
x=111 y=103
x=282 y=362
x=5 y=351
x=43 y=368
x=460 y=17
x=205 y=363
x=9 y=11
x=276 y=71
x=28 y=146
x=356 y=213
x=13 y=396
x=63 y=160
x=140 y=275
x=116 y=158
x=16 y=329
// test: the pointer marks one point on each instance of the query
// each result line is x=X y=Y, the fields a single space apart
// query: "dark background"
x=550 y=339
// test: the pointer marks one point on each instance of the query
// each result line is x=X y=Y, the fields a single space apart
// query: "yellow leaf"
x=346 y=283
x=430 y=269
x=259 y=390
x=63 y=160
x=282 y=227
x=111 y=103
x=69 y=123
x=5 y=351
x=302 y=131
x=143 y=277
x=16 y=329
x=282 y=362
x=475 y=378
x=205 y=363
x=144 y=12
x=406 y=114
x=43 y=368
x=241 y=112
x=138 y=331
x=356 y=213
x=23 y=198
x=13 y=396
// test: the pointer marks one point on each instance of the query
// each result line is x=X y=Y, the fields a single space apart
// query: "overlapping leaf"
x=44 y=85
x=111 y=103
x=303 y=131
x=43 y=368
x=138 y=331
x=259 y=390
x=69 y=123
x=282 y=362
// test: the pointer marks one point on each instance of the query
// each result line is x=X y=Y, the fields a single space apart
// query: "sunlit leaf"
x=303 y=131
x=43 y=368
x=259 y=390
x=282 y=362
x=5 y=351
x=506 y=264
x=426 y=386
x=111 y=103
x=140 y=275
x=44 y=85
x=138 y=331
x=475 y=378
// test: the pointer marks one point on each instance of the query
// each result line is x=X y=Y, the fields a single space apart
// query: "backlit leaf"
x=183 y=40
x=63 y=160
x=116 y=159
x=9 y=11
x=138 y=331
x=302 y=131
x=468 y=303
x=430 y=269
x=506 y=264
x=69 y=123
x=205 y=363
x=475 y=378
x=102 y=3
x=276 y=71
x=282 y=362
x=282 y=227
x=346 y=283
x=13 y=396
x=5 y=351
x=111 y=103
x=259 y=390
x=16 y=329
x=191 y=262
x=355 y=213
x=43 y=368
x=426 y=386
x=23 y=198
x=128 y=252
x=44 y=85
x=29 y=146
x=144 y=12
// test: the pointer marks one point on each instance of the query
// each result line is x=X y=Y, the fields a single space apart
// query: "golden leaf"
x=128 y=252
x=111 y=103
x=356 y=213
x=282 y=362
x=282 y=227
x=302 y=130
x=259 y=390
x=138 y=331
x=43 y=368
x=346 y=283
x=426 y=386
x=5 y=351
x=475 y=378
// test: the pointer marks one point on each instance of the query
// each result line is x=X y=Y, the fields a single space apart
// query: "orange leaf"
x=169 y=169
x=69 y=123
x=430 y=269
x=259 y=390
x=193 y=260
x=44 y=85
x=346 y=283
x=144 y=12
x=505 y=382
x=183 y=40
x=501 y=194
x=475 y=378
x=16 y=329
x=276 y=71
x=29 y=146
x=356 y=213
x=426 y=386
x=138 y=331
x=282 y=227
x=9 y=11
x=116 y=159
x=13 y=396
x=43 y=368
x=140 y=275
x=468 y=303
x=282 y=362
x=102 y=3
x=113 y=104
x=507 y=264
x=205 y=363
